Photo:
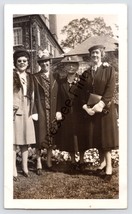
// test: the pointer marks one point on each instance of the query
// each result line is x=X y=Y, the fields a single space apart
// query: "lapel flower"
x=106 y=64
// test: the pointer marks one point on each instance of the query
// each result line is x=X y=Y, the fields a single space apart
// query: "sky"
x=64 y=19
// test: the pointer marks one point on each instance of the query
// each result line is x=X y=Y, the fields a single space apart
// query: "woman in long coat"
x=24 y=133
x=45 y=101
x=99 y=79
x=71 y=131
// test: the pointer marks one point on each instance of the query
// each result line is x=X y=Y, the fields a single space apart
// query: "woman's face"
x=45 y=65
x=71 y=67
x=22 y=63
x=96 y=56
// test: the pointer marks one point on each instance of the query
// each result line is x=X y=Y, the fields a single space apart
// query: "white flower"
x=106 y=64
x=45 y=53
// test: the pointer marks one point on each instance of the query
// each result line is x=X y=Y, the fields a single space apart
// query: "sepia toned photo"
x=66 y=80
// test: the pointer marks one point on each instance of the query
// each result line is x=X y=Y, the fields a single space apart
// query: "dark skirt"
x=71 y=134
x=103 y=130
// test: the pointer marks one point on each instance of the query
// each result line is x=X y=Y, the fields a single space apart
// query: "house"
x=36 y=32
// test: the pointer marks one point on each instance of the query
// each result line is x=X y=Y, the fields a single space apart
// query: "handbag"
x=93 y=99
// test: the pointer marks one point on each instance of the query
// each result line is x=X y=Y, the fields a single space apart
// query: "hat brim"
x=44 y=60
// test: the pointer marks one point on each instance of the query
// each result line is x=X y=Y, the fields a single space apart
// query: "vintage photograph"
x=63 y=86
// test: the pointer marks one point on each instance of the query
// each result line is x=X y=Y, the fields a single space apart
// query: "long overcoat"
x=71 y=129
x=102 y=128
x=42 y=127
x=24 y=132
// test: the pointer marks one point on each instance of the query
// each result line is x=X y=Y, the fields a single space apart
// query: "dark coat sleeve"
x=110 y=86
x=59 y=97
x=84 y=88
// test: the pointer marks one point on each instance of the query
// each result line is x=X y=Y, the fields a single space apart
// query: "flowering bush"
x=91 y=156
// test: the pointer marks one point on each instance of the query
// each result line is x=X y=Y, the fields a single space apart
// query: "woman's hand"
x=58 y=116
x=35 y=117
x=99 y=106
x=90 y=111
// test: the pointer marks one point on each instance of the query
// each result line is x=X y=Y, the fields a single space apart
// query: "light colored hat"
x=43 y=55
x=68 y=59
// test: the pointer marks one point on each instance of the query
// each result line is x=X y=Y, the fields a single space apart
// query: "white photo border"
x=112 y=9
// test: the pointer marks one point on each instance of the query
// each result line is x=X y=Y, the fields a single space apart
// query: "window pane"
x=17 y=36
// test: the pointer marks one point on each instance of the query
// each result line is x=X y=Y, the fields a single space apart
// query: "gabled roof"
x=109 y=42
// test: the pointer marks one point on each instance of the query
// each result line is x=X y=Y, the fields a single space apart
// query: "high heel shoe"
x=39 y=172
x=15 y=178
x=50 y=169
x=25 y=174
x=107 y=177
x=99 y=171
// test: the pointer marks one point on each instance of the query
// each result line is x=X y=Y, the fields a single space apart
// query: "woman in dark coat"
x=71 y=128
x=45 y=101
x=23 y=93
x=101 y=116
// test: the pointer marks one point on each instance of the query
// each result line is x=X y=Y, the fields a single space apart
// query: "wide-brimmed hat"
x=43 y=56
x=96 y=47
x=69 y=59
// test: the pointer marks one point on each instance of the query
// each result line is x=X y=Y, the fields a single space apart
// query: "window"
x=38 y=35
x=51 y=49
x=48 y=46
x=17 y=36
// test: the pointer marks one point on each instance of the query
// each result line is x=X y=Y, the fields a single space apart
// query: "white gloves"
x=96 y=108
x=58 y=116
x=35 y=117
x=99 y=106
x=88 y=110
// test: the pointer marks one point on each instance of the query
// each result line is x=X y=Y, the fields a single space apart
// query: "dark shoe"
x=107 y=177
x=25 y=174
x=39 y=172
x=99 y=171
x=15 y=178
x=82 y=167
x=73 y=167
x=50 y=169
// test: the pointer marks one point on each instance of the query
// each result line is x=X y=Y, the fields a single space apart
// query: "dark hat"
x=96 y=47
x=43 y=56
x=20 y=52
x=72 y=59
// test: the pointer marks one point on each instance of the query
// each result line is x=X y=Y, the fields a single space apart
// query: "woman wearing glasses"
x=71 y=135
x=24 y=133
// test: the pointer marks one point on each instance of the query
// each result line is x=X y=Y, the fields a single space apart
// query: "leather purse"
x=93 y=99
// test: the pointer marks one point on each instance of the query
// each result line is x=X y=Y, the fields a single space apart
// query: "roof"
x=109 y=42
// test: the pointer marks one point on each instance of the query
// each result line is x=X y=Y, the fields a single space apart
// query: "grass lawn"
x=65 y=184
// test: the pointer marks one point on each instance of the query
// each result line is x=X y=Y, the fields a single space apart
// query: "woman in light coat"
x=24 y=133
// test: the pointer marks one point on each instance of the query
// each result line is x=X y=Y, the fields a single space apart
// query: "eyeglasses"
x=46 y=64
x=19 y=61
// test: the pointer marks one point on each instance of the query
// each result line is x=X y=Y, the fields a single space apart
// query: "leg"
x=102 y=159
x=39 y=164
x=108 y=162
x=14 y=161
x=38 y=153
x=24 y=150
x=81 y=157
x=49 y=156
x=72 y=154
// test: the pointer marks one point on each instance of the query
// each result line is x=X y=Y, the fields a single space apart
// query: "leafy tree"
x=79 y=30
